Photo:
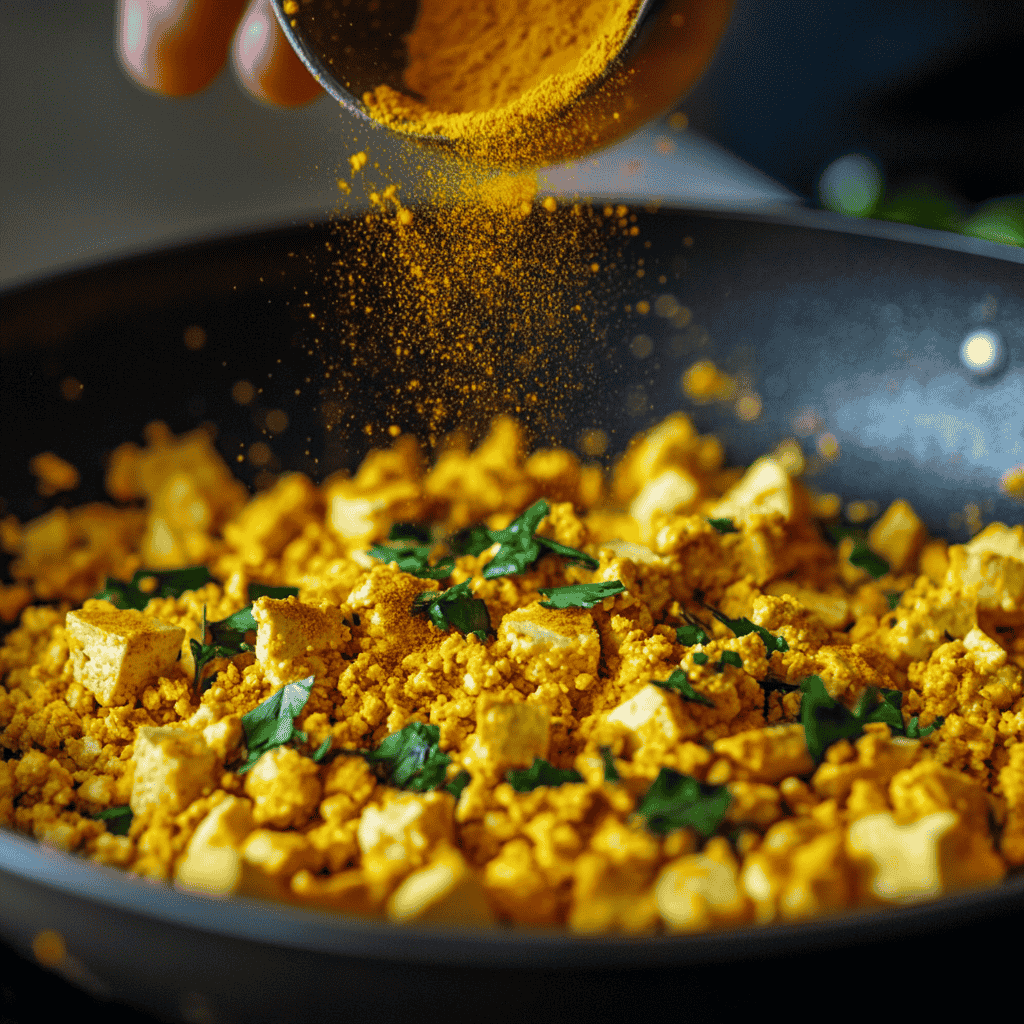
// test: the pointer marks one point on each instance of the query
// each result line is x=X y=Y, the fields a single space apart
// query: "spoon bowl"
x=353 y=46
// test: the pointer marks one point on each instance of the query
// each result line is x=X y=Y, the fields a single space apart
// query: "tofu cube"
x=512 y=735
x=647 y=713
x=289 y=632
x=552 y=644
x=446 y=891
x=672 y=490
x=173 y=767
x=763 y=489
x=898 y=536
x=114 y=652
x=212 y=862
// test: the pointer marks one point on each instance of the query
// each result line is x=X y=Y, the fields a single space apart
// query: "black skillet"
x=853 y=334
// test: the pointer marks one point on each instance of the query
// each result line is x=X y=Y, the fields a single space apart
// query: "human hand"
x=178 y=47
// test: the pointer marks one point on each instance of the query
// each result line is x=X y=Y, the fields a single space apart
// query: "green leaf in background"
x=864 y=558
x=676 y=801
x=922 y=205
x=724 y=525
x=410 y=532
x=171 y=583
x=410 y=758
x=678 y=682
x=455 y=608
x=118 y=819
x=540 y=773
x=580 y=595
x=611 y=773
x=414 y=559
x=473 y=540
x=258 y=590
x=272 y=723
x=999 y=220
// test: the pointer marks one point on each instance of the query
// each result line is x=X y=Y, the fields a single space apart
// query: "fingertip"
x=265 y=62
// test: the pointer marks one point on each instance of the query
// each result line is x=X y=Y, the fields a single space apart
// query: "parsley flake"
x=272 y=723
x=580 y=595
x=227 y=638
x=258 y=590
x=681 y=685
x=700 y=658
x=518 y=544
x=892 y=599
x=118 y=819
x=458 y=784
x=724 y=525
x=168 y=584
x=864 y=558
x=414 y=559
x=540 y=773
x=915 y=732
x=411 y=759
x=611 y=773
x=455 y=607
x=741 y=627
x=676 y=800
x=691 y=634
x=729 y=658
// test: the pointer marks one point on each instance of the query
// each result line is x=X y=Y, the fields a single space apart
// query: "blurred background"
x=900 y=109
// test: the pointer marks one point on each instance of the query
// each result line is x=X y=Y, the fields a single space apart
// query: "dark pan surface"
x=862 y=331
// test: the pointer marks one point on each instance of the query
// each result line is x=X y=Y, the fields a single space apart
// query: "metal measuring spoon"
x=352 y=46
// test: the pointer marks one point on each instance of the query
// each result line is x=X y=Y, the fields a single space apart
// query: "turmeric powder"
x=508 y=688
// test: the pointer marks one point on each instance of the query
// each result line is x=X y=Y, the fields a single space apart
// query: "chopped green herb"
x=892 y=599
x=540 y=773
x=729 y=658
x=519 y=546
x=915 y=732
x=410 y=531
x=414 y=559
x=864 y=558
x=455 y=607
x=118 y=819
x=321 y=752
x=700 y=658
x=689 y=635
x=410 y=758
x=826 y=720
x=258 y=590
x=227 y=638
x=458 y=784
x=678 y=682
x=580 y=595
x=741 y=627
x=611 y=773
x=675 y=801
x=723 y=525
x=168 y=584
x=272 y=723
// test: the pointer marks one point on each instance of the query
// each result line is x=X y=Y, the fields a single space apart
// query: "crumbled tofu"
x=511 y=735
x=555 y=644
x=898 y=535
x=650 y=711
x=173 y=766
x=991 y=566
x=114 y=652
x=285 y=788
x=212 y=862
x=765 y=488
x=672 y=490
x=445 y=890
x=697 y=892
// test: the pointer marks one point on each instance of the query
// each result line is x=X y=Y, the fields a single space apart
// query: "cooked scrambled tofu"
x=100 y=709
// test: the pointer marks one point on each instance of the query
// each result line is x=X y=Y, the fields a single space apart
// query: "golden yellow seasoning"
x=661 y=703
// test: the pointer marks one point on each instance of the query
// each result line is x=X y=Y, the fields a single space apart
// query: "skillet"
x=856 y=330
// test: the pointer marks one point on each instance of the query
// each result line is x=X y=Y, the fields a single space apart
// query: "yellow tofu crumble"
x=641 y=757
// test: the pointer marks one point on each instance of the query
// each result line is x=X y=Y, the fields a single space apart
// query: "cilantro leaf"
x=322 y=751
x=118 y=819
x=455 y=607
x=892 y=599
x=227 y=640
x=723 y=525
x=410 y=758
x=864 y=558
x=458 y=784
x=410 y=531
x=172 y=583
x=580 y=595
x=272 y=723
x=414 y=559
x=915 y=732
x=729 y=658
x=678 y=682
x=258 y=590
x=826 y=720
x=741 y=627
x=690 y=635
x=675 y=800
x=611 y=773
x=700 y=658
x=540 y=773
x=519 y=546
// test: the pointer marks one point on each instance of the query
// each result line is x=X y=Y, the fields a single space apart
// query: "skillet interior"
x=864 y=331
